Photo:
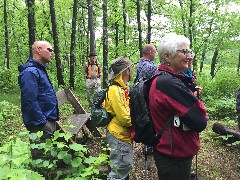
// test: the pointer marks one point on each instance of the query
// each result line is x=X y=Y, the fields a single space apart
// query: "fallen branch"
x=224 y=130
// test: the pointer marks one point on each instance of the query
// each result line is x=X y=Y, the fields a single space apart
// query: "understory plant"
x=65 y=160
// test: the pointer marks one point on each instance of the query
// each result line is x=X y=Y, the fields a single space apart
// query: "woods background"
x=117 y=27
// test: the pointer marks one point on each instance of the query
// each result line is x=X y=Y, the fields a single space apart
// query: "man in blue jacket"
x=39 y=103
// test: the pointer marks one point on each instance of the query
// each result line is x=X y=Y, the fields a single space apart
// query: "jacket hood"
x=119 y=80
x=31 y=63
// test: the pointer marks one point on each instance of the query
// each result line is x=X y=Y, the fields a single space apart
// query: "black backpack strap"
x=166 y=124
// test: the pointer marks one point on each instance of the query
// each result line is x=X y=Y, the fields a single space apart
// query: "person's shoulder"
x=167 y=80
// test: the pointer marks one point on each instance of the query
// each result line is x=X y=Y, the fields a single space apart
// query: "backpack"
x=99 y=116
x=89 y=64
x=142 y=124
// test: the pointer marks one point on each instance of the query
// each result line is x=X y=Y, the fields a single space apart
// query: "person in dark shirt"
x=145 y=70
x=146 y=67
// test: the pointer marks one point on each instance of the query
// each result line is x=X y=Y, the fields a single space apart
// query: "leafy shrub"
x=221 y=108
x=224 y=84
x=10 y=120
x=8 y=80
x=219 y=93
x=15 y=159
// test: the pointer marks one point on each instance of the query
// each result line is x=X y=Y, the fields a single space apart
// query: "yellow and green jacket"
x=117 y=104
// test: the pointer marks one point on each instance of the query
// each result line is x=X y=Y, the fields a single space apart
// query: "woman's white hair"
x=170 y=43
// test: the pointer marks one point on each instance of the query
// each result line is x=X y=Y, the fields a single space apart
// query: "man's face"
x=46 y=53
x=152 y=54
x=92 y=58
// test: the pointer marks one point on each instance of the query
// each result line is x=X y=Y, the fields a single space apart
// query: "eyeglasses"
x=50 y=50
x=186 y=52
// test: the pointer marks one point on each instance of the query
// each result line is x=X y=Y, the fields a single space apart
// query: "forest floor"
x=215 y=160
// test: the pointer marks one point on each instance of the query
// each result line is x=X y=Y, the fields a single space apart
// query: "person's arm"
x=184 y=104
x=100 y=71
x=29 y=97
x=85 y=71
x=120 y=106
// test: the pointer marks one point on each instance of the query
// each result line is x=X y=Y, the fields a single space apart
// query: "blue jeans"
x=121 y=157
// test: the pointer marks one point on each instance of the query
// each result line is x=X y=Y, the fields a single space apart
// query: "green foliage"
x=221 y=108
x=10 y=120
x=15 y=160
x=8 y=80
x=224 y=84
x=219 y=94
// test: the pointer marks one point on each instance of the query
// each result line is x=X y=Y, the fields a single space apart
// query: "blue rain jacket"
x=38 y=98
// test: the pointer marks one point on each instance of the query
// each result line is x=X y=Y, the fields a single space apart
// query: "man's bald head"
x=42 y=51
x=149 y=52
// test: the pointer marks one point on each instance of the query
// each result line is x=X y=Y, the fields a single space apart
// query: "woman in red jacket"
x=170 y=98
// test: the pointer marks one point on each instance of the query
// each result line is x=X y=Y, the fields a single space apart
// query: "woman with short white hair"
x=169 y=98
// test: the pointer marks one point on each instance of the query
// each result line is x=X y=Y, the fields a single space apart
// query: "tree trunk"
x=238 y=63
x=73 y=43
x=31 y=23
x=149 y=14
x=224 y=130
x=190 y=21
x=116 y=38
x=91 y=26
x=7 y=59
x=139 y=27
x=183 y=18
x=124 y=21
x=214 y=62
x=105 y=44
x=202 y=61
x=56 y=44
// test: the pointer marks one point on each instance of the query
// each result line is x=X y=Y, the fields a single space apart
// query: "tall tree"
x=116 y=25
x=91 y=26
x=7 y=59
x=31 y=23
x=56 y=44
x=73 y=44
x=214 y=62
x=139 y=27
x=149 y=14
x=124 y=21
x=105 y=44
x=238 y=67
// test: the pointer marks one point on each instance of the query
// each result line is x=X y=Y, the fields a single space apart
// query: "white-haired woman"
x=170 y=98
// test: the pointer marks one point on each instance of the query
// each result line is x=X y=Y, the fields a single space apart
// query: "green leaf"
x=56 y=134
x=33 y=136
x=67 y=135
x=90 y=160
x=39 y=134
x=45 y=163
x=67 y=159
x=62 y=154
x=23 y=134
x=76 y=162
x=61 y=145
x=78 y=147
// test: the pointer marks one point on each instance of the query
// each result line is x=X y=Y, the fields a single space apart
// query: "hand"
x=198 y=91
